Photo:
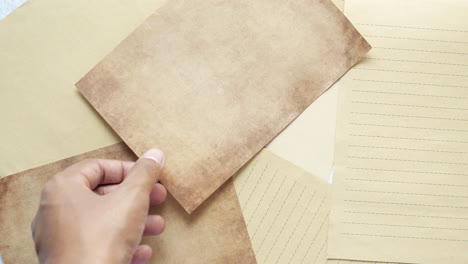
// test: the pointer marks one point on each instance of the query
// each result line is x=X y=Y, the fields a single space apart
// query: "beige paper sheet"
x=286 y=211
x=216 y=233
x=212 y=82
x=309 y=141
x=45 y=47
x=339 y=4
x=400 y=183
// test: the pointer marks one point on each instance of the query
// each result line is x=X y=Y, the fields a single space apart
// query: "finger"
x=145 y=173
x=142 y=254
x=94 y=172
x=158 y=194
x=154 y=225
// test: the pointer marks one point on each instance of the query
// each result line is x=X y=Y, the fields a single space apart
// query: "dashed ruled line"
x=409 y=138
x=410 y=127
x=410 y=105
x=409 y=182
x=409 y=160
x=408 y=237
x=410 y=83
x=410 y=116
x=405 y=149
x=409 y=171
x=417 y=39
x=408 y=27
x=411 y=72
x=417 y=61
x=411 y=94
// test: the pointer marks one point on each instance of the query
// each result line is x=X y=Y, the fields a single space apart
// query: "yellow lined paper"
x=400 y=185
x=286 y=211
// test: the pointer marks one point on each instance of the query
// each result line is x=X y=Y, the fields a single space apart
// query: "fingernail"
x=155 y=154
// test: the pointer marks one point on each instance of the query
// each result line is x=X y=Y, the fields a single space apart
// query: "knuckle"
x=86 y=163
x=89 y=164
x=50 y=188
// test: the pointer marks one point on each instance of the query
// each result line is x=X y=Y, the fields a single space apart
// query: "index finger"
x=95 y=172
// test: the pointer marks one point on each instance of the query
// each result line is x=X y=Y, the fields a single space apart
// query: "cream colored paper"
x=309 y=141
x=216 y=233
x=400 y=183
x=339 y=4
x=212 y=82
x=286 y=211
x=45 y=47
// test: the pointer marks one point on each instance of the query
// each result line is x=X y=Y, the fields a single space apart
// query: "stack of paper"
x=212 y=82
x=209 y=82
x=400 y=183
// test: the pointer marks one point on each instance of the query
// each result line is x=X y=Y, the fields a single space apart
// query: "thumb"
x=145 y=173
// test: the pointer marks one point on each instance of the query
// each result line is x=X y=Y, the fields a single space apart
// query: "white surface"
x=8 y=6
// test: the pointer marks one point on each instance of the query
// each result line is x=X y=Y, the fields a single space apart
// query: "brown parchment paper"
x=213 y=81
x=216 y=233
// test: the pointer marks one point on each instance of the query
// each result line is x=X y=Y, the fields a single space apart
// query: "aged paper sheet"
x=216 y=233
x=212 y=82
x=400 y=183
x=286 y=210
x=43 y=53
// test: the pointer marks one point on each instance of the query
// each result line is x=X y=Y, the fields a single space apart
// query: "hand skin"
x=96 y=211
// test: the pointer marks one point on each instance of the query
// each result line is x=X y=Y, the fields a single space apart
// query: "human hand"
x=96 y=211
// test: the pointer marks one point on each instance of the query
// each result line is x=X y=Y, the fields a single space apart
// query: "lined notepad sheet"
x=401 y=182
x=286 y=211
